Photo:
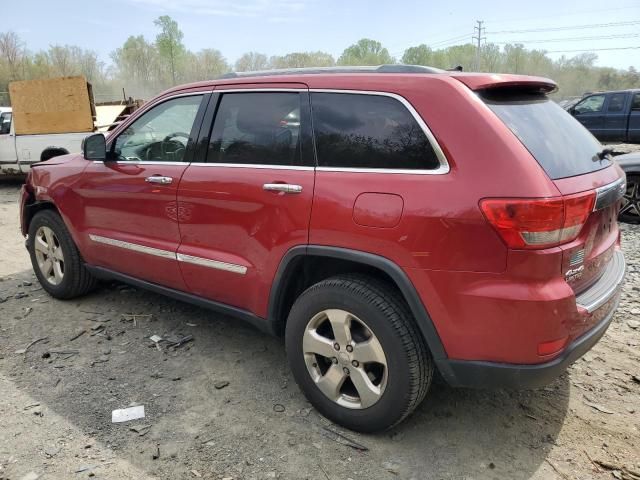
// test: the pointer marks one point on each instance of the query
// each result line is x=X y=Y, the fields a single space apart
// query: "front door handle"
x=159 y=179
x=282 y=187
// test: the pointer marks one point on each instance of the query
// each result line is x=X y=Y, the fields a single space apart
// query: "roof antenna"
x=457 y=68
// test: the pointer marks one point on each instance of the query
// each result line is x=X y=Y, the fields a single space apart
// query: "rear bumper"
x=600 y=300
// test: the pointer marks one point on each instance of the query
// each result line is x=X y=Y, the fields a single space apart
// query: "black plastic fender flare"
x=423 y=320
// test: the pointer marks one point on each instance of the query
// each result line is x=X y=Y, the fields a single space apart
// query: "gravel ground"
x=55 y=412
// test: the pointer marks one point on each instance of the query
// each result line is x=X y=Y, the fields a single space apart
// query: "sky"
x=277 y=27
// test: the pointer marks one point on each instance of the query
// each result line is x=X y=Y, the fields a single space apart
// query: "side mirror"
x=94 y=147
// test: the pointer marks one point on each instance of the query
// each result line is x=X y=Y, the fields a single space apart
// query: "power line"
x=574 y=27
x=574 y=39
x=593 y=49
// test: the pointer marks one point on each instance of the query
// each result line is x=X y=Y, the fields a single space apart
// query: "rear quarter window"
x=369 y=131
x=560 y=144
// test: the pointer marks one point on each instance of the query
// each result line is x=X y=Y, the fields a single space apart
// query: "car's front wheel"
x=356 y=353
x=630 y=211
x=55 y=258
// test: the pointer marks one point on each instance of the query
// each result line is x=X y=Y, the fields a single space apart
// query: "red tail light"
x=534 y=223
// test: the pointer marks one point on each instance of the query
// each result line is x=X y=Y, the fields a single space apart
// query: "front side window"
x=5 y=123
x=369 y=131
x=590 y=104
x=160 y=134
x=257 y=128
x=616 y=102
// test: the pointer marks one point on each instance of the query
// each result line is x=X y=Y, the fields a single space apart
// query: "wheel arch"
x=30 y=210
x=294 y=269
x=52 y=151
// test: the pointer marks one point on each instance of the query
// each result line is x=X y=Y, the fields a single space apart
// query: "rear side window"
x=616 y=102
x=259 y=128
x=636 y=102
x=368 y=131
x=560 y=144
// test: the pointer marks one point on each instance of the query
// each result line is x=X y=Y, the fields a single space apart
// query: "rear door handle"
x=159 y=179
x=282 y=187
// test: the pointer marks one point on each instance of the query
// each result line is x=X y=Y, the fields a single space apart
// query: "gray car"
x=630 y=163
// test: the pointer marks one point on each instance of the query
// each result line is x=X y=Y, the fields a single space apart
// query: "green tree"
x=169 y=43
x=365 y=52
x=302 y=59
x=136 y=61
x=251 y=61
x=420 y=55
x=205 y=65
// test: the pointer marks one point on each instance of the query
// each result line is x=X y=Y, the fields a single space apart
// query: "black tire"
x=77 y=280
x=632 y=195
x=409 y=364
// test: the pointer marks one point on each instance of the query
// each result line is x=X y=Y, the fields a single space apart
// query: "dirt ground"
x=55 y=407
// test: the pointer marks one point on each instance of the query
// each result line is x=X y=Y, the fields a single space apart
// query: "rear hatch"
x=590 y=185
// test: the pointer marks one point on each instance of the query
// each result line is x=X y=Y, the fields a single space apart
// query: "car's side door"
x=616 y=118
x=246 y=198
x=129 y=217
x=590 y=112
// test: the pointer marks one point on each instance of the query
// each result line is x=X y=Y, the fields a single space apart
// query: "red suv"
x=388 y=221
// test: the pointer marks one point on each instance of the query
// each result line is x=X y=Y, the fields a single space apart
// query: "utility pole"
x=477 y=30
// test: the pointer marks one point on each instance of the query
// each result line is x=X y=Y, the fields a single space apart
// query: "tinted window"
x=560 y=144
x=368 y=131
x=257 y=128
x=590 y=104
x=616 y=102
x=636 y=102
x=160 y=134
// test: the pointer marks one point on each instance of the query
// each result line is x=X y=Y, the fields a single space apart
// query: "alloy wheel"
x=49 y=255
x=345 y=359
x=631 y=200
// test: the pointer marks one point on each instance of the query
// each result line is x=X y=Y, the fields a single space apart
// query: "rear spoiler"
x=491 y=81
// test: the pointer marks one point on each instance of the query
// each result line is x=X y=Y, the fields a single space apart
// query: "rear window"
x=560 y=144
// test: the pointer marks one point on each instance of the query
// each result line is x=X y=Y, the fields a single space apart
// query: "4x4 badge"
x=574 y=273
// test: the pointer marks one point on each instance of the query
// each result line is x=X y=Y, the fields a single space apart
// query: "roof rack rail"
x=321 y=70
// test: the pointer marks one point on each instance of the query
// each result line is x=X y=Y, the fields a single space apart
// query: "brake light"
x=533 y=223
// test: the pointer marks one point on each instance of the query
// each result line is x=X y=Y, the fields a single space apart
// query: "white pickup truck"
x=18 y=152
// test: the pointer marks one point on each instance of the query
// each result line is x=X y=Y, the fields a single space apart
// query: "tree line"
x=145 y=67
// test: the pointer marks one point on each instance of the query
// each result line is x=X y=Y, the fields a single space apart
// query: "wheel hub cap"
x=345 y=359
x=49 y=255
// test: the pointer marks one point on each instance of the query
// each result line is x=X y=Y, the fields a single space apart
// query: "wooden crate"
x=53 y=105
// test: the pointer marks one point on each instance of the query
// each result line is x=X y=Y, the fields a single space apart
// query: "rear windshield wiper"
x=603 y=154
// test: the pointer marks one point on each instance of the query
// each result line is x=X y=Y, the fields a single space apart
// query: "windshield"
x=560 y=144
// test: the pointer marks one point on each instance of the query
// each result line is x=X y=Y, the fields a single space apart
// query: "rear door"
x=617 y=117
x=590 y=112
x=246 y=198
x=129 y=202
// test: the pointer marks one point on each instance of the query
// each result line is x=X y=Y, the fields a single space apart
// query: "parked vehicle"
x=630 y=211
x=19 y=152
x=48 y=117
x=611 y=116
x=388 y=221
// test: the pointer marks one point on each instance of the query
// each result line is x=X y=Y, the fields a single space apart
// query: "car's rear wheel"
x=55 y=258
x=356 y=353
x=630 y=211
